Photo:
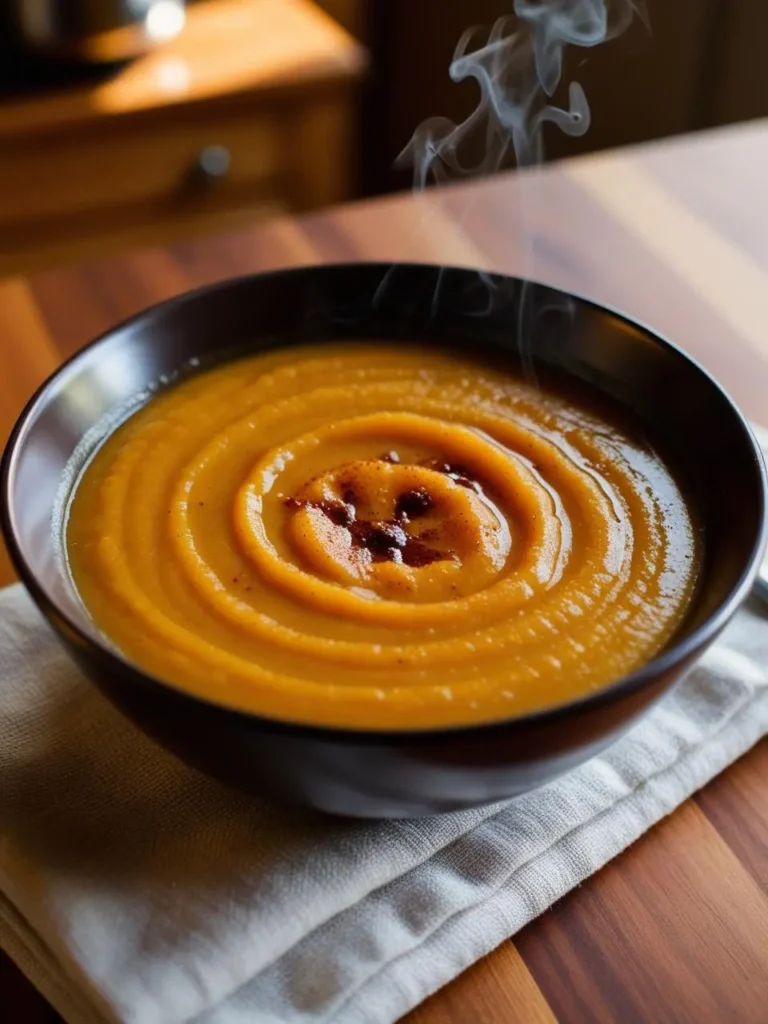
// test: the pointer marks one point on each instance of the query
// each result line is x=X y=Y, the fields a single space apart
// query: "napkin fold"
x=134 y=890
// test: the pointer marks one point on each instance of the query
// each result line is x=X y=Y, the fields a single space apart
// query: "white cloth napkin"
x=132 y=889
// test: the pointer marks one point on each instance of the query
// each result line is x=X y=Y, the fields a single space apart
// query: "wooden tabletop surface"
x=676 y=929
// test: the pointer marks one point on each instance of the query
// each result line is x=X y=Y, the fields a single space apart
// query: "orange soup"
x=380 y=536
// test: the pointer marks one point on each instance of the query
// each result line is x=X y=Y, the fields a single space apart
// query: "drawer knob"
x=212 y=163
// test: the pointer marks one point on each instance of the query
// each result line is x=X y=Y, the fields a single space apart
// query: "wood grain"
x=676 y=929
x=737 y=805
x=498 y=988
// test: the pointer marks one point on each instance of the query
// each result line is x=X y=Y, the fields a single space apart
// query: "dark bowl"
x=386 y=774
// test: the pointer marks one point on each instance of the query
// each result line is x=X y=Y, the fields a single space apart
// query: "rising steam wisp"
x=518 y=70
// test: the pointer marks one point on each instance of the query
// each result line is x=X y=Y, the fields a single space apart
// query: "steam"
x=518 y=70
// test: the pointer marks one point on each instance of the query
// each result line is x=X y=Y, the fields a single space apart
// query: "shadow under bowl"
x=388 y=774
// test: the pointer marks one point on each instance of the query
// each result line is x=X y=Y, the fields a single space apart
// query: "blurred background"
x=126 y=122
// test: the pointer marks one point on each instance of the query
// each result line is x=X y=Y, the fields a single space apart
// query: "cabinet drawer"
x=80 y=175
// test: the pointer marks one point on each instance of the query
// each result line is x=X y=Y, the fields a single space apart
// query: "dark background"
x=703 y=64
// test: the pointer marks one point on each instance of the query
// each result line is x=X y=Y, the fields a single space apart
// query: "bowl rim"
x=626 y=686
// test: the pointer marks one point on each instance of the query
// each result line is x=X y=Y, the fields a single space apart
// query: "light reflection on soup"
x=380 y=536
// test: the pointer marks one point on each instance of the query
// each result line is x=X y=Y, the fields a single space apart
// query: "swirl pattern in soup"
x=380 y=536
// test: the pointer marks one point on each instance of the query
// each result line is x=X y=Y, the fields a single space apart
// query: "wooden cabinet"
x=349 y=13
x=83 y=175
x=250 y=110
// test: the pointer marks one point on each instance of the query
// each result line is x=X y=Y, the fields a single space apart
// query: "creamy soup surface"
x=380 y=536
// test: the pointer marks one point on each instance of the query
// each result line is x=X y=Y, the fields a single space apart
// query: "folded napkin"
x=132 y=889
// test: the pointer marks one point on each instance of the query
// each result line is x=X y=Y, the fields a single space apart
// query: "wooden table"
x=676 y=929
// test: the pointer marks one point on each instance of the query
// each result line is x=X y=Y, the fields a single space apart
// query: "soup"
x=381 y=537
